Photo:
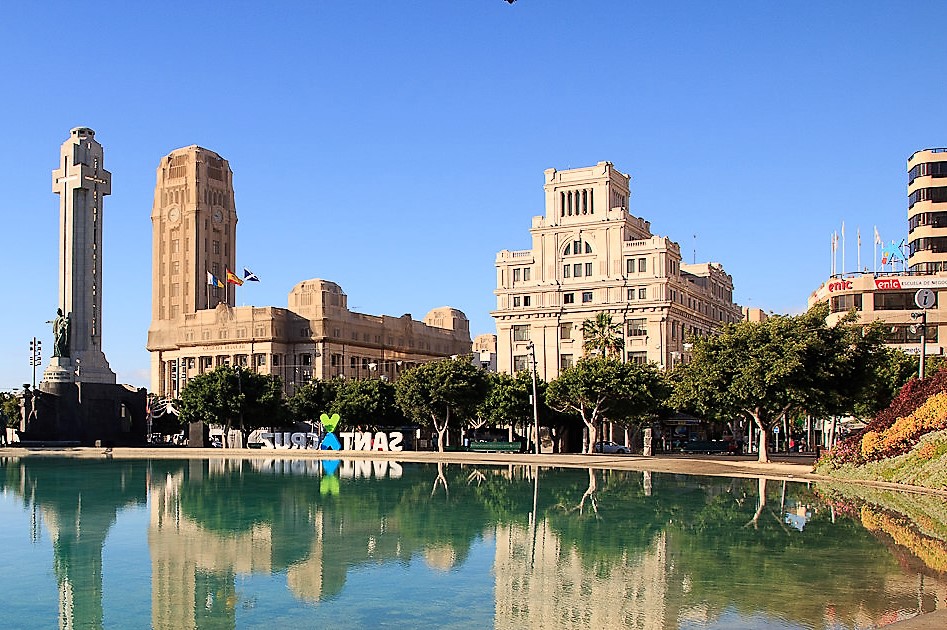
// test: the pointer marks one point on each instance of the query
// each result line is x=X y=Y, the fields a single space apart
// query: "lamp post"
x=532 y=349
x=36 y=356
x=923 y=316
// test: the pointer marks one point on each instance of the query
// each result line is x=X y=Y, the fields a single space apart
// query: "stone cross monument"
x=82 y=183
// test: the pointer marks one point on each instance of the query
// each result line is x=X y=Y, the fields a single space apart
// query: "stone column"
x=82 y=183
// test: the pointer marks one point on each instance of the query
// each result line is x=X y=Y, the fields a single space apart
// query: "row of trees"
x=758 y=371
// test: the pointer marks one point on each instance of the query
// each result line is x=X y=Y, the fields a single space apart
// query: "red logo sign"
x=886 y=284
x=840 y=285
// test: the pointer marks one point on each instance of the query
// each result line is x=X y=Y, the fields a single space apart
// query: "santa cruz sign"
x=351 y=440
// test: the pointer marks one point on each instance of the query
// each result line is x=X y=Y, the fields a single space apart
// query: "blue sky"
x=395 y=147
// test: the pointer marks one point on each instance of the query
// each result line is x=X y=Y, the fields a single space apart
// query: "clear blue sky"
x=395 y=147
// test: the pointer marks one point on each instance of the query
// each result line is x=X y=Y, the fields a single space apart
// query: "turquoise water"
x=253 y=543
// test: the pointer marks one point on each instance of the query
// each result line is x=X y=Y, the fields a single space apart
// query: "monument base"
x=87 y=413
x=59 y=370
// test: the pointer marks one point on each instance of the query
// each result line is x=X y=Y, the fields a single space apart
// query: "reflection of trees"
x=677 y=544
x=829 y=568
x=79 y=505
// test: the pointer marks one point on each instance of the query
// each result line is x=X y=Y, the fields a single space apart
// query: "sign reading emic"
x=351 y=440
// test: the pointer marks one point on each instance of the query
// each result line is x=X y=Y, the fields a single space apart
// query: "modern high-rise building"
x=891 y=295
x=588 y=256
x=927 y=211
x=195 y=326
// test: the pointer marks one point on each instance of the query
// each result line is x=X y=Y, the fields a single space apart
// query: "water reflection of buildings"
x=542 y=583
x=78 y=511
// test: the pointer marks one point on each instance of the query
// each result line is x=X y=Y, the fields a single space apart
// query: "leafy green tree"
x=763 y=370
x=9 y=410
x=442 y=393
x=366 y=402
x=601 y=334
x=599 y=388
x=509 y=400
x=313 y=399
x=234 y=396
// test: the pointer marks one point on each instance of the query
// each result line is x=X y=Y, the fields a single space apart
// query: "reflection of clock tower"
x=193 y=234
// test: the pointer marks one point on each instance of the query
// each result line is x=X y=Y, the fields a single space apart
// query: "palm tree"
x=602 y=335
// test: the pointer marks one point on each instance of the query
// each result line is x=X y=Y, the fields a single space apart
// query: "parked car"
x=610 y=448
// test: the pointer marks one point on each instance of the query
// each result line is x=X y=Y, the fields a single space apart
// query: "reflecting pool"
x=258 y=542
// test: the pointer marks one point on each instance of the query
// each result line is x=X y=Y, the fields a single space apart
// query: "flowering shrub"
x=905 y=432
x=914 y=394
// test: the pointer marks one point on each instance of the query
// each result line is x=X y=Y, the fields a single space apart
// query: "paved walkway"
x=796 y=467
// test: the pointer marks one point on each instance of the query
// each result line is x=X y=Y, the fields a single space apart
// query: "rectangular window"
x=630 y=266
x=353 y=363
x=588 y=269
x=642 y=265
x=638 y=357
x=175 y=246
x=216 y=249
x=895 y=300
x=526 y=274
x=568 y=298
x=526 y=300
x=577 y=270
x=520 y=363
x=259 y=359
x=565 y=362
x=176 y=266
x=565 y=330
x=642 y=293
x=516 y=301
x=275 y=360
x=521 y=332
x=631 y=294
x=586 y=297
x=305 y=359
x=517 y=275
x=638 y=327
x=566 y=271
x=841 y=303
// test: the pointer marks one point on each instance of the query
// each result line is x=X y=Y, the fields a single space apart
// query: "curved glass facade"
x=932 y=169
x=937 y=194
x=937 y=245
x=927 y=219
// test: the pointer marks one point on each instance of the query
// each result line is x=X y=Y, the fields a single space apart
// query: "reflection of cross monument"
x=82 y=183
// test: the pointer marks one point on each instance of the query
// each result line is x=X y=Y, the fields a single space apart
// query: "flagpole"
x=843 y=248
x=858 y=255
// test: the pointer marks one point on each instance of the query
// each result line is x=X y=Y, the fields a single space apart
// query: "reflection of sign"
x=351 y=441
x=925 y=298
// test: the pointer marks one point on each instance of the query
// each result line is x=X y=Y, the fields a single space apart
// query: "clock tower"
x=194 y=233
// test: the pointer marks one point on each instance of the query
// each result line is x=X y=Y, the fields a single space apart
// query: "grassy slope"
x=924 y=465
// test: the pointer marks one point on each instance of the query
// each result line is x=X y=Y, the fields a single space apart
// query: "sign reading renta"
x=351 y=441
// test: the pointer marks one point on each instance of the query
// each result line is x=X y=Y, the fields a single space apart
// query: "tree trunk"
x=763 y=452
x=590 y=426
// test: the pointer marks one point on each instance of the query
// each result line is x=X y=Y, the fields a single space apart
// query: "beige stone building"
x=890 y=297
x=196 y=327
x=589 y=255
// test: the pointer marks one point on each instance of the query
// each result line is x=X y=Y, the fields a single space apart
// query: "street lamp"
x=923 y=316
x=532 y=349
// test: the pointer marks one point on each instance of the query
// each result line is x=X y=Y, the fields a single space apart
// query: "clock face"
x=174 y=214
x=218 y=216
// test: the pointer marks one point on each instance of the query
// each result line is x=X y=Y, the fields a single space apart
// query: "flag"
x=878 y=240
x=233 y=279
x=249 y=276
x=213 y=281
